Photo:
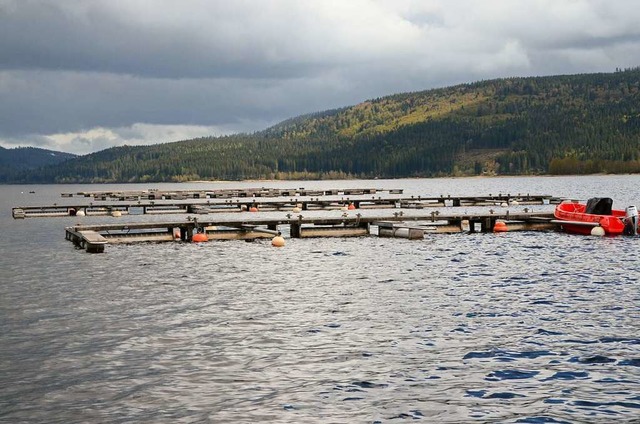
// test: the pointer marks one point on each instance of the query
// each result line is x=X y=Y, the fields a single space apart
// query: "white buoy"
x=504 y=204
x=295 y=210
x=597 y=231
x=514 y=203
x=80 y=213
x=116 y=214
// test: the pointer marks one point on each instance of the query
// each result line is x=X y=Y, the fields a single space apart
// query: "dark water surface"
x=515 y=327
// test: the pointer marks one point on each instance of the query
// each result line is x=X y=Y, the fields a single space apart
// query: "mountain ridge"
x=582 y=123
x=20 y=159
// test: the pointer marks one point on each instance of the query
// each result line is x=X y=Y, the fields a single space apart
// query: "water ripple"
x=455 y=328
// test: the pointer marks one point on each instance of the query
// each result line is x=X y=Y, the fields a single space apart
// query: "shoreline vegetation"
x=557 y=125
x=267 y=180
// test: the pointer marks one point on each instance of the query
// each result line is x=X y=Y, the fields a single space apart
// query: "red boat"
x=580 y=218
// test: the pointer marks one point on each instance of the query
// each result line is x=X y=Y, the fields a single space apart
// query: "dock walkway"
x=326 y=202
x=345 y=212
x=158 y=194
x=347 y=224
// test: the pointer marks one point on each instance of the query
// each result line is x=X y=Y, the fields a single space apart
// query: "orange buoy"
x=500 y=227
x=199 y=237
x=277 y=241
x=253 y=209
x=351 y=206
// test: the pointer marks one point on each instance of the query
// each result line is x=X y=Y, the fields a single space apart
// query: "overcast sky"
x=83 y=75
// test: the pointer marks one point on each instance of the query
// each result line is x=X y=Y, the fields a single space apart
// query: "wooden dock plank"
x=95 y=237
x=87 y=239
x=239 y=205
x=256 y=219
x=156 y=194
x=92 y=237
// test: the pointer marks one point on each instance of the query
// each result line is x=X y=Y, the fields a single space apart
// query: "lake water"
x=523 y=327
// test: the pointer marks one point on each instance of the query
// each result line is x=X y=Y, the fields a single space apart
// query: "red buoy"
x=500 y=227
x=199 y=237
x=351 y=206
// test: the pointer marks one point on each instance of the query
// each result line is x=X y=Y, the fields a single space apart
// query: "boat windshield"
x=599 y=206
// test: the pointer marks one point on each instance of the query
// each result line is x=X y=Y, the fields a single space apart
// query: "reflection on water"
x=515 y=327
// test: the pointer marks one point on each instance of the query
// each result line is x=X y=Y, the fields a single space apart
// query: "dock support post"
x=295 y=230
x=94 y=248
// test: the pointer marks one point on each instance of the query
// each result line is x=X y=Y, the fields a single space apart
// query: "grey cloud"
x=54 y=102
x=33 y=140
x=279 y=39
x=72 y=66
x=96 y=38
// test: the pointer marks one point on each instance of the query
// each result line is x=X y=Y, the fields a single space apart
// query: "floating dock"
x=388 y=212
x=325 y=202
x=93 y=238
x=157 y=194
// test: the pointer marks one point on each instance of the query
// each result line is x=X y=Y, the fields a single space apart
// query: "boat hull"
x=575 y=220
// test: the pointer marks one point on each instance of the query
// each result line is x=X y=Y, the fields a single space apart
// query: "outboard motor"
x=631 y=221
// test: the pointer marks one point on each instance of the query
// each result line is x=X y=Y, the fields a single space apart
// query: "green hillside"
x=22 y=159
x=539 y=125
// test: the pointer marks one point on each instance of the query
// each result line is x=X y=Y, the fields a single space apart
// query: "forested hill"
x=24 y=158
x=560 y=124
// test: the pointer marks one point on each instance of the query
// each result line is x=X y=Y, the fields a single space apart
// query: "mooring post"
x=295 y=230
